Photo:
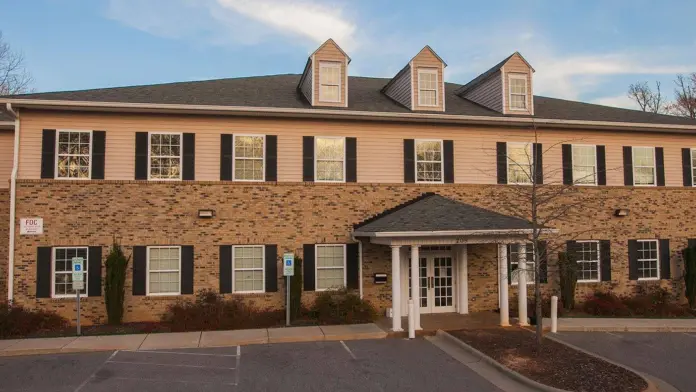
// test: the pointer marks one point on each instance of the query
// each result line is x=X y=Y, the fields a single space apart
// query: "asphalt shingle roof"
x=364 y=94
x=5 y=115
x=432 y=212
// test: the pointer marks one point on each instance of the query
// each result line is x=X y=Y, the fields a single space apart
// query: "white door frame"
x=430 y=255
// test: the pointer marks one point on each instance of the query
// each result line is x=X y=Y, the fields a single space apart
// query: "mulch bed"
x=555 y=364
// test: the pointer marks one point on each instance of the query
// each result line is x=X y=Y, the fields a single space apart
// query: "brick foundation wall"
x=4 y=240
x=292 y=214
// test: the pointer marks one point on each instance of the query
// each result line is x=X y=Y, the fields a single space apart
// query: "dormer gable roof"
x=330 y=41
x=481 y=78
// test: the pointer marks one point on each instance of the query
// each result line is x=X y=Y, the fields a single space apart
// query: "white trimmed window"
x=644 y=166
x=427 y=87
x=165 y=156
x=648 y=260
x=588 y=261
x=329 y=159
x=74 y=154
x=329 y=82
x=518 y=91
x=62 y=270
x=693 y=166
x=428 y=160
x=247 y=271
x=514 y=258
x=519 y=161
x=249 y=157
x=331 y=266
x=163 y=270
x=584 y=165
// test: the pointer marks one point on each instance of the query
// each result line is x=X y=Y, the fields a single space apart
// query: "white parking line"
x=689 y=335
x=173 y=365
x=347 y=349
x=167 y=380
x=236 y=373
x=91 y=376
x=613 y=334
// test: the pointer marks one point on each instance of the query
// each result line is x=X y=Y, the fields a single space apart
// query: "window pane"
x=518 y=102
x=643 y=156
x=519 y=163
x=518 y=86
x=330 y=278
x=514 y=257
x=163 y=270
x=427 y=98
x=62 y=270
x=248 y=268
x=165 y=158
x=429 y=160
x=644 y=175
x=648 y=259
x=330 y=148
x=588 y=261
x=73 y=154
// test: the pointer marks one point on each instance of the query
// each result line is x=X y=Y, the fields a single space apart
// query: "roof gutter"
x=13 y=203
x=449 y=233
x=340 y=114
x=7 y=124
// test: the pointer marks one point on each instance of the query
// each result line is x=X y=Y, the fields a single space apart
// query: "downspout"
x=13 y=191
x=360 y=263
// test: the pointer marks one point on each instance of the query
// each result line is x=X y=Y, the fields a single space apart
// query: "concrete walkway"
x=623 y=325
x=158 y=341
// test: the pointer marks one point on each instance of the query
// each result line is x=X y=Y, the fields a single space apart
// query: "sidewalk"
x=622 y=325
x=179 y=340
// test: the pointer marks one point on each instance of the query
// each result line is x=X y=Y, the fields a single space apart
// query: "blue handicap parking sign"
x=288 y=263
x=78 y=267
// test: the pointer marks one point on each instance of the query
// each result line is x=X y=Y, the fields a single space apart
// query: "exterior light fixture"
x=207 y=214
x=621 y=212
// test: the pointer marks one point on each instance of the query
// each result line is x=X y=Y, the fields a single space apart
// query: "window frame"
x=442 y=160
x=317 y=268
x=234 y=157
x=56 y=176
x=431 y=71
x=330 y=64
x=316 y=160
x=263 y=270
x=572 y=153
x=518 y=76
x=531 y=164
x=149 y=156
x=633 y=165
x=147 y=271
x=599 y=262
x=657 y=261
x=693 y=167
x=529 y=281
x=53 y=272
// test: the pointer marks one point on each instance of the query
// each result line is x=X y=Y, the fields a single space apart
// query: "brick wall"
x=4 y=240
x=292 y=214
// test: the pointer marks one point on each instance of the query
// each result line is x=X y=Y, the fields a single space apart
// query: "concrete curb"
x=502 y=368
x=623 y=326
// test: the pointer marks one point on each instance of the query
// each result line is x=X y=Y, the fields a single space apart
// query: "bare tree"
x=685 y=96
x=647 y=99
x=14 y=77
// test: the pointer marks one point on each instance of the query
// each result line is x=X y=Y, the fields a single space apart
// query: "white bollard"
x=411 y=320
x=554 y=314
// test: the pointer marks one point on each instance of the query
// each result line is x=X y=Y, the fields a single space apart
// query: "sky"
x=587 y=50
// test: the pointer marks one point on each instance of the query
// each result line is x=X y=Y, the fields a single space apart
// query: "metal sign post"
x=78 y=283
x=288 y=272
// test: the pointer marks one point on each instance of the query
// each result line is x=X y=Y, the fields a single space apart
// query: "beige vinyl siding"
x=329 y=53
x=306 y=87
x=400 y=90
x=488 y=93
x=6 y=156
x=517 y=66
x=426 y=59
x=380 y=145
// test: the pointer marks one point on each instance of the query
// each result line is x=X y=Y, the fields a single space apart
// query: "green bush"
x=16 y=321
x=114 y=287
x=296 y=290
x=568 y=271
x=690 y=275
x=342 y=307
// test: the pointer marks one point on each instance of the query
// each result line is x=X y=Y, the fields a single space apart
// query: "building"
x=206 y=184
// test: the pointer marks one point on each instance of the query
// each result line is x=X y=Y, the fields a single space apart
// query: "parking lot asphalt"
x=670 y=356
x=367 y=365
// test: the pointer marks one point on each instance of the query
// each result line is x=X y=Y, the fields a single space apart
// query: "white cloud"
x=619 y=101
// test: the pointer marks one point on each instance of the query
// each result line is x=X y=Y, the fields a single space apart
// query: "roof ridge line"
x=398 y=207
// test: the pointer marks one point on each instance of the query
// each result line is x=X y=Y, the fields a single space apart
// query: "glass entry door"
x=436 y=279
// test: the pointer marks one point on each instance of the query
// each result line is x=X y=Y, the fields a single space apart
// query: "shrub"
x=690 y=275
x=296 y=290
x=605 y=304
x=568 y=271
x=649 y=302
x=16 y=321
x=114 y=287
x=342 y=307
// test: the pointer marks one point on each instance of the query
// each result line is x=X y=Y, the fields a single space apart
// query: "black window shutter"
x=601 y=165
x=225 y=269
x=448 y=159
x=692 y=243
x=186 y=269
x=48 y=154
x=308 y=158
x=271 y=268
x=352 y=266
x=271 y=158
x=308 y=265
x=628 y=165
x=189 y=167
x=605 y=260
x=660 y=165
x=633 y=259
x=571 y=249
x=94 y=272
x=98 y=154
x=511 y=248
x=43 y=271
x=351 y=159
x=409 y=161
x=567 y=156
x=226 y=156
x=686 y=167
x=139 y=269
x=544 y=262
x=501 y=156
x=665 y=264
x=538 y=151
x=141 y=143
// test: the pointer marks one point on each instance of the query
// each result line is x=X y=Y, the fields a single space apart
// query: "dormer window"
x=329 y=82
x=518 y=92
x=427 y=87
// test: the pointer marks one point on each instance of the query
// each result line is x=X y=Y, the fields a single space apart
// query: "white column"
x=396 y=288
x=522 y=284
x=415 y=286
x=504 y=299
x=463 y=280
